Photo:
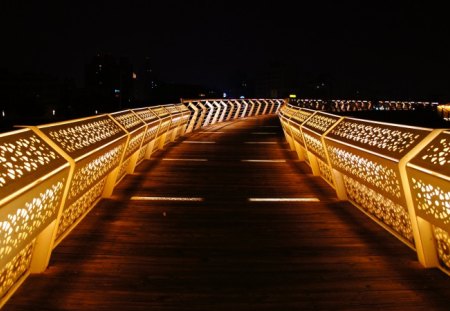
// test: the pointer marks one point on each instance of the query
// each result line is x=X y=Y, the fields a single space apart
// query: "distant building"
x=109 y=84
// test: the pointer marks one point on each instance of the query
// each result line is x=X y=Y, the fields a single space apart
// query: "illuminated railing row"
x=210 y=111
x=360 y=105
x=52 y=175
x=397 y=175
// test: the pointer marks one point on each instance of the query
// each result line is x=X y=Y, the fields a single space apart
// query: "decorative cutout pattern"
x=442 y=238
x=431 y=200
x=393 y=215
x=297 y=135
x=123 y=170
x=82 y=136
x=436 y=155
x=134 y=144
x=397 y=141
x=151 y=134
x=16 y=228
x=127 y=120
x=321 y=122
x=78 y=208
x=377 y=175
x=314 y=145
x=302 y=115
x=94 y=170
x=145 y=114
x=14 y=269
x=325 y=171
x=23 y=156
x=142 y=154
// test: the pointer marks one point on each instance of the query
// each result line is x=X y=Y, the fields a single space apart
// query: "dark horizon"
x=393 y=50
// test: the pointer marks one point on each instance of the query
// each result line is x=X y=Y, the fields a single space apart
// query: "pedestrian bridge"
x=224 y=204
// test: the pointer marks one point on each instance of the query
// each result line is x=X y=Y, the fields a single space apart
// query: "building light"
x=3 y=113
x=242 y=97
x=96 y=111
x=116 y=91
x=224 y=95
x=54 y=112
x=292 y=96
x=134 y=76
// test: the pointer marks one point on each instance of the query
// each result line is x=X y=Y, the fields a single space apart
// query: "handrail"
x=397 y=175
x=52 y=175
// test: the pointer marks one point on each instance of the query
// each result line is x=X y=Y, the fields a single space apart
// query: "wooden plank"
x=226 y=253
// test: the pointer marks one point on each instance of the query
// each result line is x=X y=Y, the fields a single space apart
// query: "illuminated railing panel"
x=52 y=175
x=398 y=175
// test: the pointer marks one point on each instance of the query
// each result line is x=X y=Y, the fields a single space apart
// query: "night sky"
x=369 y=45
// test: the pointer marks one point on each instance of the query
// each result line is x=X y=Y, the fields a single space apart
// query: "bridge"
x=224 y=204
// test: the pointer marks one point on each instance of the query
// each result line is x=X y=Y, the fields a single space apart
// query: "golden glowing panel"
x=151 y=133
x=384 y=139
x=371 y=173
x=160 y=112
x=123 y=169
x=288 y=112
x=94 y=170
x=297 y=135
x=164 y=127
x=28 y=220
x=134 y=144
x=145 y=114
x=78 y=208
x=81 y=137
x=302 y=115
x=431 y=201
x=321 y=122
x=391 y=214
x=325 y=171
x=23 y=158
x=142 y=154
x=14 y=269
x=442 y=238
x=314 y=145
x=436 y=155
x=128 y=120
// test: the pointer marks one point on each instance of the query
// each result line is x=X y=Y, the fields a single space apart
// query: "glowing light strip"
x=193 y=199
x=198 y=142
x=284 y=200
x=273 y=161
x=261 y=142
x=263 y=133
x=187 y=159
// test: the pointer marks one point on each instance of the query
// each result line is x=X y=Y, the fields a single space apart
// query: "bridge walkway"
x=182 y=233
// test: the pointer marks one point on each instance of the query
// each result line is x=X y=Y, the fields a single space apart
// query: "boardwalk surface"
x=226 y=252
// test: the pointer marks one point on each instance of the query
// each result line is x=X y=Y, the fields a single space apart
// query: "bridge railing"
x=398 y=175
x=205 y=112
x=52 y=175
x=339 y=105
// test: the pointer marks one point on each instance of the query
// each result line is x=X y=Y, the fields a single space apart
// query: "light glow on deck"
x=263 y=160
x=187 y=159
x=284 y=200
x=183 y=199
x=198 y=142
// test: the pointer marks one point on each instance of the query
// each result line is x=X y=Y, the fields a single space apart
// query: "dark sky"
x=376 y=44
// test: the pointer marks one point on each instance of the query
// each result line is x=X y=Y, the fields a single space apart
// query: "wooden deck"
x=225 y=252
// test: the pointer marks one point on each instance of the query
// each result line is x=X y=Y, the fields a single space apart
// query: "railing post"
x=422 y=229
x=43 y=248
x=341 y=193
x=314 y=164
